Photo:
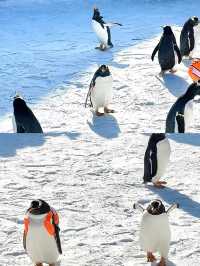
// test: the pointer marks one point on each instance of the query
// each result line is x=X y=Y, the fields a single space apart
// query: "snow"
x=93 y=182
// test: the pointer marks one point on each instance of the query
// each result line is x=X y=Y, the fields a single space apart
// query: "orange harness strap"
x=49 y=221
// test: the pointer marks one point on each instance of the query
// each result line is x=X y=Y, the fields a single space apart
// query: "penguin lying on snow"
x=187 y=38
x=181 y=113
x=167 y=49
x=41 y=233
x=102 y=30
x=156 y=159
x=100 y=91
x=155 y=232
x=24 y=121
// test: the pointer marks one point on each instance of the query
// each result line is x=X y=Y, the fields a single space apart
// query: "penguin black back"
x=166 y=49
x=150 y=156
x=187 y=39
x=177 y=110
x=26 y=122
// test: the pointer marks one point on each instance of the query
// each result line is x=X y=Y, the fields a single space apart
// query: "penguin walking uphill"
x=187 y=37
x=100 y=91
x=167 y=50
x=155 y=234
x=41 y=234
x=180 y=115
x=102 y=30
x=24 y=121
x=156 y=159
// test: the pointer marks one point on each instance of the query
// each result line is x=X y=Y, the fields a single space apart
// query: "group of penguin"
x=41 y=224
x=100 y=92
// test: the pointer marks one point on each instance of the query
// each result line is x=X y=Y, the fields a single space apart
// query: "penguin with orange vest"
x=41 y=234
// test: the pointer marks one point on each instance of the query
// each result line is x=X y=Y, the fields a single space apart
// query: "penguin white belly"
x=14 y=124
x=101 y=32
x=155 y=233
x=101 y=94
x=188 y=115
x=163 y=155
x=41 y=246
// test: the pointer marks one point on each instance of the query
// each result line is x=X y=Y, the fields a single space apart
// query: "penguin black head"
x=39 y=207
x=167 y=30
x=104 y=71
x=156 y=207
x=156 y=137
x=194 y=21
x=96 y=14
x=19 y=103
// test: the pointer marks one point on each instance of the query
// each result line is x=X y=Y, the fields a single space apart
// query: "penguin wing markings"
x=154 y=162
x=155 y=51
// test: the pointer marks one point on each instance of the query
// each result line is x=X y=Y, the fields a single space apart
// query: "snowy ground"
x=93 y=183
x=142 y=99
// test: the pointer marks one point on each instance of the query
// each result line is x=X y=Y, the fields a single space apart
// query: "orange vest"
x=194 y=70
x=49 y=220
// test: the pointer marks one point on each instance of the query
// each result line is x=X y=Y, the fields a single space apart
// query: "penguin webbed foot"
x=150 y=257
x=108 y=111
x=98 y=113
x=162 y=262
x=159 y=184
x=172 y=70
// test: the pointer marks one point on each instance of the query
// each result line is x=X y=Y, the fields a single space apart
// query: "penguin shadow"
x=169 y=263
x=191 y=139
x=187 y=62
x=72 y=135
x=175 y=84
x=10 y=143
x=105 y=126
x=170 y=196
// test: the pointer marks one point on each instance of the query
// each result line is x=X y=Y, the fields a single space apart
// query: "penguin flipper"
x=57 y=230
x=155 y=51
x=181 y=122
x=112 y=24
x=24 y=240
x=178 y=53
x=191 y=38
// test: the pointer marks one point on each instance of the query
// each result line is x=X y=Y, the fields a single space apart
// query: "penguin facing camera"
x=41 y=238
x=156 y=159
x=102 y=30
x=155 y=234
x=24 y=121
x=100 y=91
x=180 y=115
x=187 y=37
x=167 y=50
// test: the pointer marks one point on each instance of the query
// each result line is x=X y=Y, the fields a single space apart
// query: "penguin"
x=41 y=238
x=155 y=233
x=180 y=115
x=100 y=90
x=24 y=121
x=156 y=159
x=187 y=38
x=102 y=30
x=167 y=50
